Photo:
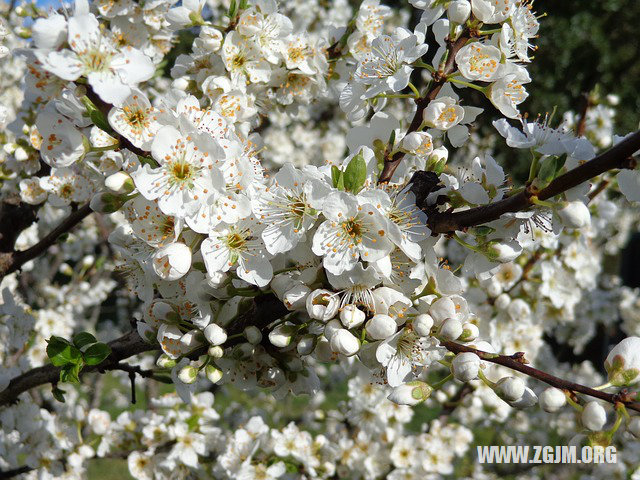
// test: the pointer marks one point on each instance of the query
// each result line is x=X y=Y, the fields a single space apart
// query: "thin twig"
x=12 y=261
x=517 y=362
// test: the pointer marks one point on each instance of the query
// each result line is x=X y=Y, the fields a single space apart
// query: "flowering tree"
x=278 y=198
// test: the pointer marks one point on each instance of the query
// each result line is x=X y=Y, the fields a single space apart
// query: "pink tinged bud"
x=594 y=416
x=381 y=326
x=215 y=334
x=552 y=399
x=411 y=393
x=344 y=342
x=623 y=362
x=451 y=329
x=510 y=389
x=322 y=305
x=575 y=215
x=465 y=366
x=422 y=324
x=351 y=316
x=172 y=261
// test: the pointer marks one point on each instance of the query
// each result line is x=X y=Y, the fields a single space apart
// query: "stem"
x=414 y=90
x=518 y=363
x=466 y=84
x=439 y=384
x=115 y=146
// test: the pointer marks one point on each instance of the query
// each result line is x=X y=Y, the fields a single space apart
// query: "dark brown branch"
x=126 y=346
x=439 y=79
x=518 y=363
x=15 y=472
x=12 y=261
x=265 y=310
x=617 y=157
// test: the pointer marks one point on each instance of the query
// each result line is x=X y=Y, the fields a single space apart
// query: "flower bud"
x=253 y=335
x=164 y=361
x=411 y=393
x=502 y=252
x=306 y=344
x=459 y=11
x=502 y=301
x=343 y=341
x=510 y=389
x=331 y=327
x=552 y=399
x=465 y=366
x=593 y=416
x=469 y=332
x=295 y=298
x=623 y=362
x=120 y=183
x=172 y=261
x=215 y=334
x=281 y=335
x=575 y=215
x=215 y=352
x=442 y=309
x=381 y=326
x=213 y=374
x=422 y=324
x=351 y=316
x=188 y=374
x=528 y=399
x=322 y=305
x=323 y=351
x=451 y=329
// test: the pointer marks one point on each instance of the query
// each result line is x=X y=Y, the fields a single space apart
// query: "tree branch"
x=265 y=310
x=12 y=261
x=517 y=362
x=618 y=156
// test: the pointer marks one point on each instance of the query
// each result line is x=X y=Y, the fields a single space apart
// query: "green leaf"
x=163 y=379
x=233 y=9
x=355 y=174
x=547 y=170
x=96 y=353
x=61 y=352
x=58 y=394
x=98 y=119
x=83 y=339
x=71 y=373
x=337 y=177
